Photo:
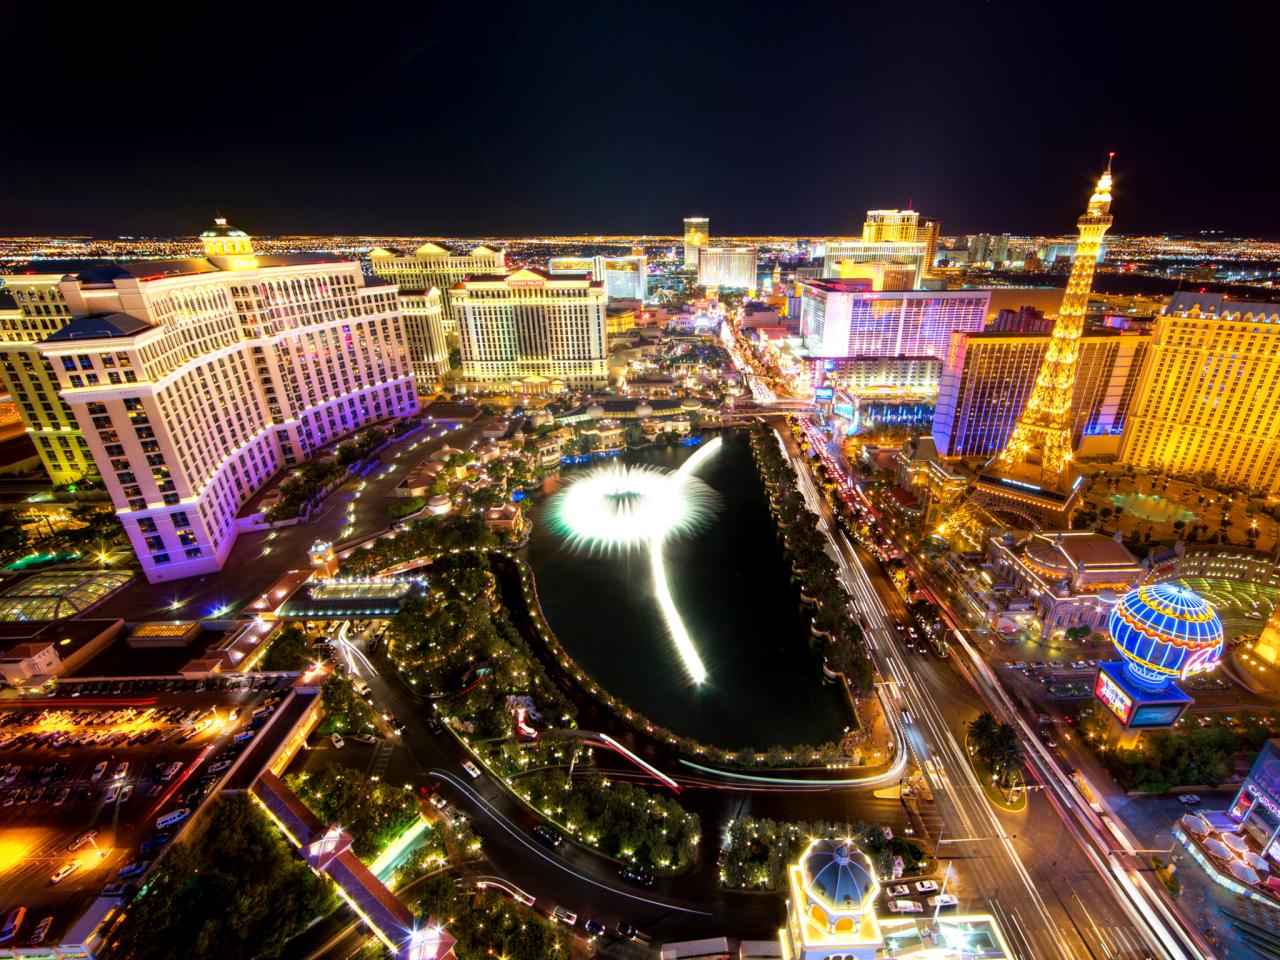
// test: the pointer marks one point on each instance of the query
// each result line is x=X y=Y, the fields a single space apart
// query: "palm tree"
x=982 y=731
x=1006 y=751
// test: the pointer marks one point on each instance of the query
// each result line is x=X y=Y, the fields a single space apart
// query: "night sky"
x=622 y=117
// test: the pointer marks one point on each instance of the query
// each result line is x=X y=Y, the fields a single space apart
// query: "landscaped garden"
x=757 y=852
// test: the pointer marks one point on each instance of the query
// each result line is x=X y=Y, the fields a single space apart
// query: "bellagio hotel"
x=195 y=381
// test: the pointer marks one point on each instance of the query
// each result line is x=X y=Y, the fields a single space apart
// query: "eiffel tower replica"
x=1032 y=476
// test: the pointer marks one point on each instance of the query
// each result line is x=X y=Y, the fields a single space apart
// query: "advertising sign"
x=1156 y=715
x=569 y=265
x=824 y=394
x=1265 y=774
x=1114 y=698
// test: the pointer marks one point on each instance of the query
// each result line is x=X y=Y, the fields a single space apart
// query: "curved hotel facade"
x=195 y=381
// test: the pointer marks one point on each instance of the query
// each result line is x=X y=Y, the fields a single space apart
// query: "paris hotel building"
x=1206 y=403
x=195 y=381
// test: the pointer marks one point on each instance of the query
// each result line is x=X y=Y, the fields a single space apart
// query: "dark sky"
x=461 y=118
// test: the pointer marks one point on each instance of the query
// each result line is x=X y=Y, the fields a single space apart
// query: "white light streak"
x=622 y=507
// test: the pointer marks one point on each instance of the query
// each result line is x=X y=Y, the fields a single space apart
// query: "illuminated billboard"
x=1114 y=698
x=1157 y=715
x=570 y=265
x=824 y=394
x=628 y=266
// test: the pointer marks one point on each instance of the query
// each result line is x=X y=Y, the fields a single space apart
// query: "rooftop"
x=99 y=326
x=57 y=594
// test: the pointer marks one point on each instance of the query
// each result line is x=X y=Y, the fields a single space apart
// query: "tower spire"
x=1041 y=439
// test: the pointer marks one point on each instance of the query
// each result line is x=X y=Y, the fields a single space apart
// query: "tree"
x=236 y=891
x=289 y=650
x=12 y=537
x=374 y=813
x=982 y=731
x=1006 y=752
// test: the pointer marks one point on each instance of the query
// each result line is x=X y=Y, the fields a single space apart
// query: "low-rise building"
x=935 y=485
x=1070 y=578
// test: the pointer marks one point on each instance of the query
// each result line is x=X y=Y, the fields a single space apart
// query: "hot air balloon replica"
x=1164 y=633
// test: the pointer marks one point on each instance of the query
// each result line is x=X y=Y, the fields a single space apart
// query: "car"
x=637 y=875
x=113 y=792
x=61 y=797
x=943 y=900
x=632 y=933
x=905 y=906
x=472 y=770
x=81 y=840
x=926 y=886
x=154 y=843
x=561 y=915
x=171 y=771
x=438 y=801
x=112 y=890
x=337 y=741
x=12 y=923
x=1253 y=615
x=434 y=725
x=125 y=793
x=64 y=871
x=42 y=930
x=396 y=725
x=1188 y=799
x=901 y=890
x=133 y=868
x=220 y=766
x=595 y=928
x=122 y=770
x=98 y=771
x=549 y=835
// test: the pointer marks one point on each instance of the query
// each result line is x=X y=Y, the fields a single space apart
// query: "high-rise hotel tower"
x=532 y=331
x=432 y=265
x=195 y=381
x=31 y=309
x=1207 y=400
x=697 y=232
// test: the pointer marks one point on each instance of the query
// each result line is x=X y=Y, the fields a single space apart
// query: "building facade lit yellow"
x=433 y=265
x=529 y=324
x=38 y=310
x=898 y=242
x=697 y=234
x=1207 y=400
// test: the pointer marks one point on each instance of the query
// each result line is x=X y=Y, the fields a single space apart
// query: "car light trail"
x=623 y=507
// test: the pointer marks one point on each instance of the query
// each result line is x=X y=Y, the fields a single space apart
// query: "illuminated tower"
x=1041 y=439
x=696 y=232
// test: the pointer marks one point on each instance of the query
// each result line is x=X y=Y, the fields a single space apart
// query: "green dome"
x=221 y=228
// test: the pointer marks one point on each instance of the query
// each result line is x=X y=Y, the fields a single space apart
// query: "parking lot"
x=85 y=775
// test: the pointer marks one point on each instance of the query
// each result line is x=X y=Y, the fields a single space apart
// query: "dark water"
x=731 y=585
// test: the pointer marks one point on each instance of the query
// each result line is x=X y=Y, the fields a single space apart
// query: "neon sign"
x=1201 y=661
x=1113 y=697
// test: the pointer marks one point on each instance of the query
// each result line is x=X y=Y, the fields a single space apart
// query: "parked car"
x=595 y=928
x=472 y=770
x=549 y=835
x=944 y=900
x=926 y=886
x=561 y=915
x=12 y=923
x=64 y=871
x=901 y=890
x=905 y=906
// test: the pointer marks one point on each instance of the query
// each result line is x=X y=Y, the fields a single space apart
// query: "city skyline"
x=842 y=558
x=575 y=122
